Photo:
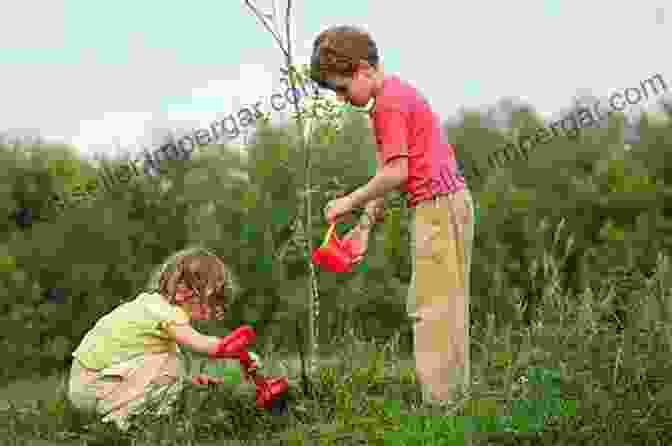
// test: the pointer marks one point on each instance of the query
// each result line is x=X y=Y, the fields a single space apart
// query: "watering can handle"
x=329 y=234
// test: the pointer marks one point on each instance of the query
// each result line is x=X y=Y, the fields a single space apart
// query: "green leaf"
x=477 y=212
x=392 y=232
x=250 y=198
x=248 y=232
x=393 y=408
x=7 y=263
x=60 y=347
x=528 y=414
x=361 y=268
x=265 y=264
x=226 y=369
x=281 y=216
x=372 y=165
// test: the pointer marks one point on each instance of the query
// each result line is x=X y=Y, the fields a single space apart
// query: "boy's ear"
x=363 y=67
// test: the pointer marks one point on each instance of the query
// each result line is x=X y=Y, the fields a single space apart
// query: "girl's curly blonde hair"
x=201 y=271
x=338 y=50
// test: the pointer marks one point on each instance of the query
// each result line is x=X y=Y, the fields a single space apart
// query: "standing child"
x=412 y=156
x=132 y=355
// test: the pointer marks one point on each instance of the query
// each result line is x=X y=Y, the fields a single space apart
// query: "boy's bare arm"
x=390 y=178
x=375 y=209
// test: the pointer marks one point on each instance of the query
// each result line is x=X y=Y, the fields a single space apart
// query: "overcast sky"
x=87 y=72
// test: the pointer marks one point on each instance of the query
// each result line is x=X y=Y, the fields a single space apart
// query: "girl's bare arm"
x=187 y=336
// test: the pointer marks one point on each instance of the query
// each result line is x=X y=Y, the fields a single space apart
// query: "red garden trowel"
x=271 y=392
x=336 y=256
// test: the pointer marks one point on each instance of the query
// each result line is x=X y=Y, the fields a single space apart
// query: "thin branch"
x=259 y=16
x=275 y=16
x=305 y=381
x=282 y=251
x=289 y=40
x=314 y=296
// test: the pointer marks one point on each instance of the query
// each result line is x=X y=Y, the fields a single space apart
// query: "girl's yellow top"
x=132 y=329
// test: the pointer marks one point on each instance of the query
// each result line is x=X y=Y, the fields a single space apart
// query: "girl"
x=132 y=355
x=412 y=156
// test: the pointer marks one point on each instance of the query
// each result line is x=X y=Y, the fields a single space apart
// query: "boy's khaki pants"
x=442 y=232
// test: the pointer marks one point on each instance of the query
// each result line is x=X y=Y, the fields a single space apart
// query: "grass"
x=375 y=401
x=573 y=377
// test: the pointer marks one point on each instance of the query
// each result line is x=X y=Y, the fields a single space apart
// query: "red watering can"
x=336 y=256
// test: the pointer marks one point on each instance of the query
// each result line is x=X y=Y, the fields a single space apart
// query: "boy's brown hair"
x=201 y=271
x=339 y=50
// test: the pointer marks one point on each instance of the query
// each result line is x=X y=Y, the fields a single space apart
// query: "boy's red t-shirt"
x=405 y=125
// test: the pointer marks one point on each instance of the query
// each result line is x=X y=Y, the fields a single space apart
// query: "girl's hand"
x=204 y=380
x=219 y=313
x=246 y=376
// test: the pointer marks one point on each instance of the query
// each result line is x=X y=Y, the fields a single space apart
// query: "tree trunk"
x=313 y=301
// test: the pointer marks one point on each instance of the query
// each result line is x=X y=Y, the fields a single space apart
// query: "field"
x=604 y=394
x=571 y=292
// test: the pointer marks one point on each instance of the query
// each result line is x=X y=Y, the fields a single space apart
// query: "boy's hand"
x=358 y=239
x=338 y=208
x=376 y=210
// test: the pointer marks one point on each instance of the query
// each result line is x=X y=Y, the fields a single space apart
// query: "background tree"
x=576 y=212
